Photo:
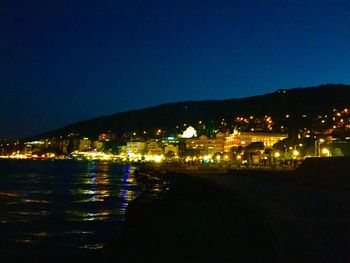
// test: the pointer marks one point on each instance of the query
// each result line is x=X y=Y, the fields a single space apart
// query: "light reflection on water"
x=77 y=205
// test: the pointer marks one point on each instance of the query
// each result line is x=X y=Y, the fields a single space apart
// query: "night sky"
x=65 y=61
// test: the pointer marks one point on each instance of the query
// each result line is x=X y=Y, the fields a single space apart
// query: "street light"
x=295 y=153
x=326 y=152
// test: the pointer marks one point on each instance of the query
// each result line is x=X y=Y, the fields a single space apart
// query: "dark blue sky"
x=65 y=61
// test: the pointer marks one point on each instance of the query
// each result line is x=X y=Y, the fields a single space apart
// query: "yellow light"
x=239 y=157
x=325 y=151
x=277 y=154
x=218 y=158
x=206 y=158
x=158 y=158
x=295 y=153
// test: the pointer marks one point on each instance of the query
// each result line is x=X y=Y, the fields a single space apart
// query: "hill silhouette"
x=298 y=101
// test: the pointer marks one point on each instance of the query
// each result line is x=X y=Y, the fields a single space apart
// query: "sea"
x=62 y=209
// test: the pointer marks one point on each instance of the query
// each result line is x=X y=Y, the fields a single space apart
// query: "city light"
x=208 y=148
x=325 y=152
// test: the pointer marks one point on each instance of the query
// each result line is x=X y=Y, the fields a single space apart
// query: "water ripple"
x=58 y=204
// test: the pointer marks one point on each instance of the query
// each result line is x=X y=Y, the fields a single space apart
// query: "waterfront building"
x=245 y=138
x=73 y=145
x=34 y=146
x=171 y=148
x=63 y=146
x=84 y=145
x=170 y=139
x=136 y=147
x=98 y=145
x=206 y=145
x=154 y=147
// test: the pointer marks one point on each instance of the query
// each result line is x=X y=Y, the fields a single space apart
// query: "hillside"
x=298 y=101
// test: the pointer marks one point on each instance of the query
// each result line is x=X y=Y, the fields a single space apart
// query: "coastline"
x=203 y=214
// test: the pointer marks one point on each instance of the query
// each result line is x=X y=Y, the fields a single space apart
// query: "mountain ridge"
x=301 y=100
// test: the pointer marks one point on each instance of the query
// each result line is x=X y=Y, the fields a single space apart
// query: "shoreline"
x=155 y=220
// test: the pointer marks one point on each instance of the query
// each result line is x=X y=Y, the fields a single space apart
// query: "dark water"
x=61 y=209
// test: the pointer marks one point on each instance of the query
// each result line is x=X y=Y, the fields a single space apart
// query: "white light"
x=189 y=133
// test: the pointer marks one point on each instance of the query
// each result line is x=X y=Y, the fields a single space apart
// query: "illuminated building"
x=171 y=148
x=34 y=146
x=189 y=132
x=154 y=147
x=207 y=145
x=84 y=144
x=170 y=139
x=98 y=145
x=136 y=147
x=245 y=138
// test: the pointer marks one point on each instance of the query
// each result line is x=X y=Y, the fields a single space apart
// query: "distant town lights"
x=295 y=153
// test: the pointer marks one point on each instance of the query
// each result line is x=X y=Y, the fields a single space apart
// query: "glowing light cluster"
x=189 y=132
